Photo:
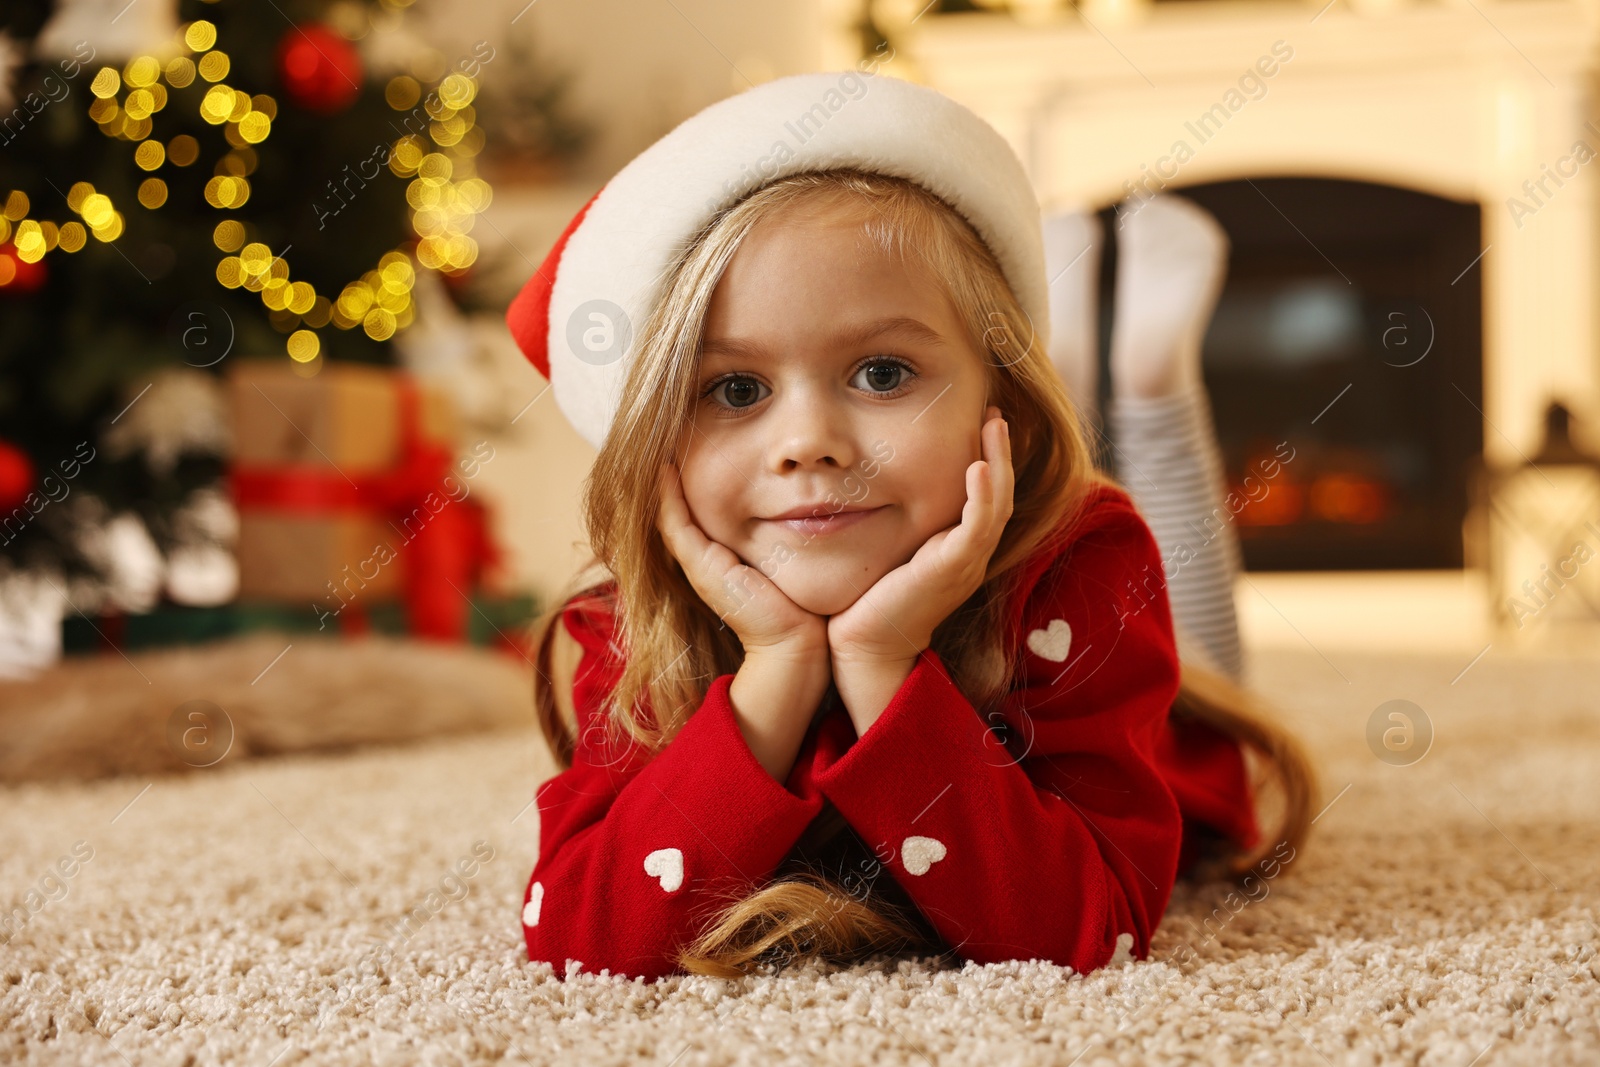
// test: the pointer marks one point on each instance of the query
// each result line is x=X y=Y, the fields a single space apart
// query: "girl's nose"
x=810 y=430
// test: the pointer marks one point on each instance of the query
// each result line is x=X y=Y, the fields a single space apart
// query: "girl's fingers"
x=689 y=542
x=1006 y=476
x=961 y=542
x=989 y=488
x=670 y=518
x=997 y=458
x=695 y=551
x=684 y=539
x=667 y=486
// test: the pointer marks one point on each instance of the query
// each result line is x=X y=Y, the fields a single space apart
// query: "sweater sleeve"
x=637 y=852
x=1044 y=829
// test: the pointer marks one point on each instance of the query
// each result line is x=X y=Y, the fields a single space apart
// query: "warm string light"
x=124 y=117
x=444 y=193
x=33 y=238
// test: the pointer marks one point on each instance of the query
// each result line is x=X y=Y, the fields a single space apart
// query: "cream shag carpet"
x=1445 y=913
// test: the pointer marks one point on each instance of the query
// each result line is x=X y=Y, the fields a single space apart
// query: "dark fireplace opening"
x=1349 y=336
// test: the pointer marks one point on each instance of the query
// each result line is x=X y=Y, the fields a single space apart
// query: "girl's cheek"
x=933 y=493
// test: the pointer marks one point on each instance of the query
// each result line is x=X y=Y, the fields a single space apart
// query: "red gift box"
x=349 y=492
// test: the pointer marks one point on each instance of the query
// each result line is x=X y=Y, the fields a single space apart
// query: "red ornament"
x=320 y=70
x=16 y=476
x=17 y=275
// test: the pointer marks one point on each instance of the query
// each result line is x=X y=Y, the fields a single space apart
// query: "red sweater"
x=1045 y=833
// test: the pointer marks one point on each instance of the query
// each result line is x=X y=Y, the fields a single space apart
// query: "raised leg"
x=1171 y=261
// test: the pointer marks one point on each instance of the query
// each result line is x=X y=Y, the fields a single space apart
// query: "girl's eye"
x=741 y=391
x=884 y=376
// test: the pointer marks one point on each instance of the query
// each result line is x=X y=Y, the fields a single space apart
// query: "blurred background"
x=254 y=261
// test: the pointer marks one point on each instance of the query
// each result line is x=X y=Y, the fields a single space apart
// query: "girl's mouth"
x=812 y=525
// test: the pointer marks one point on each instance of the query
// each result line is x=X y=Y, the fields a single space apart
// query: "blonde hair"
x=673 y=642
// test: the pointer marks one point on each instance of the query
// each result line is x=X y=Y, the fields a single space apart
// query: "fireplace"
x=1352 y=334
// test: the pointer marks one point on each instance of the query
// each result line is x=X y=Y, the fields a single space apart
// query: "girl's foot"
x=1072 y=241
x=1172 y=257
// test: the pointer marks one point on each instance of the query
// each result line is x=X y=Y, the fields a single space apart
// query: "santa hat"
x=576 y=317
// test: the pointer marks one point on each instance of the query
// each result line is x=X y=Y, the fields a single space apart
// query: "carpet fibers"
x=1443 y=913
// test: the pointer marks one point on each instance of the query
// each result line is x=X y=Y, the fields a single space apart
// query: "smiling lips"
x=817 y=520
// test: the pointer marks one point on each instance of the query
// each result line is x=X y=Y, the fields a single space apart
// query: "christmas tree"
x=185 y=182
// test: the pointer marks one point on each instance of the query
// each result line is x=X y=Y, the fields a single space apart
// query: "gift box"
x=350 y=493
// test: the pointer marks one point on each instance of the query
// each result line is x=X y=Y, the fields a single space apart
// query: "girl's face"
x=834 y=382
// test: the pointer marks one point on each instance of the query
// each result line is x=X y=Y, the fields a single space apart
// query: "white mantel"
x=1463 y=100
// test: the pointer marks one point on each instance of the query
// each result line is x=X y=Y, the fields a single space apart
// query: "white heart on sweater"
x=1124 y=952
x=1052 y=643
x=667 y=865
x=530 y=910
x=920 y=853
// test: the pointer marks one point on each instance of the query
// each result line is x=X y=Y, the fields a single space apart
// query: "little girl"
x=878 y=660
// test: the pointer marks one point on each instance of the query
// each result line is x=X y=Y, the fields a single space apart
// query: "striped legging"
x=1167 y=458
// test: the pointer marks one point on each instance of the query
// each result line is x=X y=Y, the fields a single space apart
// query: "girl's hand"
x=880 y=635
x=764 y=619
